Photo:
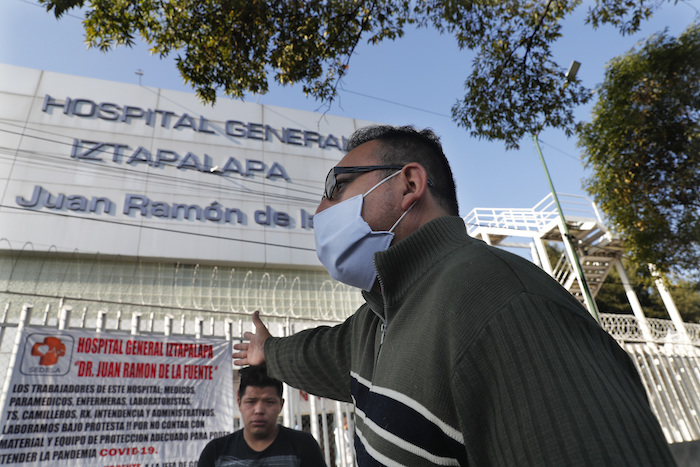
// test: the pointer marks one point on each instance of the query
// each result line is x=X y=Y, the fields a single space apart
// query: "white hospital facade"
x=141 y=206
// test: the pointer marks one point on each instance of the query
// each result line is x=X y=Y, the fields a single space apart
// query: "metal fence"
x=45 y=278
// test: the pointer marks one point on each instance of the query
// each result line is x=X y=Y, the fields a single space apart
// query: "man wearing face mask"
x=463 y=354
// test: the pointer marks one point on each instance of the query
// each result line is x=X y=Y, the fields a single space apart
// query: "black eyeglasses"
x=331 y=180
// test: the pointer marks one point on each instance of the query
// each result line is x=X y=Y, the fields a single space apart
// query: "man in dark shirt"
x=262 y=441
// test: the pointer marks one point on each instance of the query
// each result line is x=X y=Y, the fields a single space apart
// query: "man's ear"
x=416 y=183
x=282 y=404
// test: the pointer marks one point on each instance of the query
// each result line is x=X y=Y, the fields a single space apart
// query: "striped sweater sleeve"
x=315 y=360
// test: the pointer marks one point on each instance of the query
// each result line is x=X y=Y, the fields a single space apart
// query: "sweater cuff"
x=270 y=360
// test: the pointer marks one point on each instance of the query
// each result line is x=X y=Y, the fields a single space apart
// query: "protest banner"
x=80 y=398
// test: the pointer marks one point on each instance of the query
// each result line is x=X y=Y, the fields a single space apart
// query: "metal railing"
x=43 y=278
x=532 y=219
x=625 y=328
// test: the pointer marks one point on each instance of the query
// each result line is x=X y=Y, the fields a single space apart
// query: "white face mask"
x=346 y=244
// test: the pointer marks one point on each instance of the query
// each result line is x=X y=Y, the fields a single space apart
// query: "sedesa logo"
x=49 y=350
x=46 y=355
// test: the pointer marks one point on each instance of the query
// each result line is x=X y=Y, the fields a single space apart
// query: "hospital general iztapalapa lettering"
x=99 y=151
x=109 y=111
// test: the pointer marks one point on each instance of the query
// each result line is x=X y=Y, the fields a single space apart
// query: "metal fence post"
x=24 y=320
x=64 y=317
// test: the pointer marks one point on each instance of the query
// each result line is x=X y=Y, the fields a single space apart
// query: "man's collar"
x=407 y=260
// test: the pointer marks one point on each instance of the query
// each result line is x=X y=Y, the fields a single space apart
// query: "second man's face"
x=260 y=408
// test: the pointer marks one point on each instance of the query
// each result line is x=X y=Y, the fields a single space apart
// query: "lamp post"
x=568 y=244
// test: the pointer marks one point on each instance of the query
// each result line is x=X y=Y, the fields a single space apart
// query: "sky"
x=413 y=80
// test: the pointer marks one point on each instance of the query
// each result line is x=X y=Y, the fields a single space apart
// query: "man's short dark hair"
x=404 y=144
x=256 y=376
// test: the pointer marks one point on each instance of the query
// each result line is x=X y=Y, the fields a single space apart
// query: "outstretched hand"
x=253 y=351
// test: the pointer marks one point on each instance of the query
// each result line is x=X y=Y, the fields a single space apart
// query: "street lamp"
x=568 y=243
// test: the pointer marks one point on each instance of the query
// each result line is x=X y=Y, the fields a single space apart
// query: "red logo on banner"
x=49 y=351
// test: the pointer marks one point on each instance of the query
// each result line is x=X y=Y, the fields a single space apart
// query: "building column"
x=634 y=301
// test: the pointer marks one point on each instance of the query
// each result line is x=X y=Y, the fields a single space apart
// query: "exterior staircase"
x=597 y=248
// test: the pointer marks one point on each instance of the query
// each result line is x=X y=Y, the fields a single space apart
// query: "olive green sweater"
x=474 y=356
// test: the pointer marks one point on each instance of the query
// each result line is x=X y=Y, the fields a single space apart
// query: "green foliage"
x=643 y=146
x=686 y=296
x=612 y=297
x=515 y=88
x=236 y=46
